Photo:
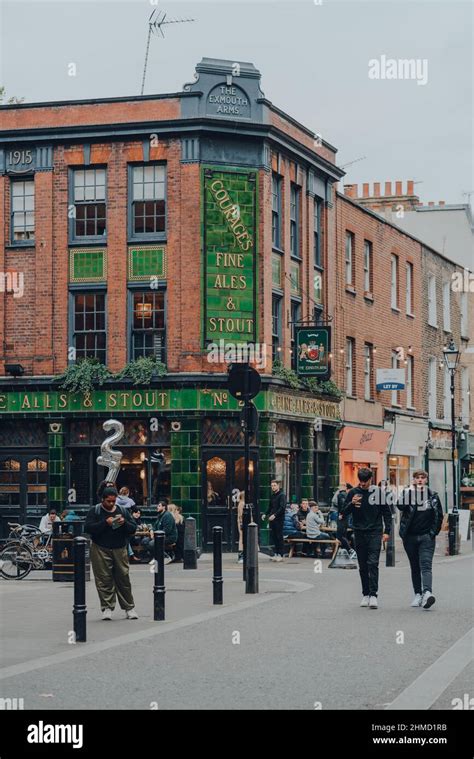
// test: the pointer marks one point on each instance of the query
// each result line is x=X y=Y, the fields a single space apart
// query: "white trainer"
x=427 y=600
x=417 y=600
x=373 y=603
x=131 y=614
x=365 y=601
x=106 y=613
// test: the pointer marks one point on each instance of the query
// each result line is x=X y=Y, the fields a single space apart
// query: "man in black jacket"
x=110 y=528
x=372 y=521
x=276 y=516
x=422 y=516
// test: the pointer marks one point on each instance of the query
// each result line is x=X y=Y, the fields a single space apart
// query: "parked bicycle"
x=27 y=548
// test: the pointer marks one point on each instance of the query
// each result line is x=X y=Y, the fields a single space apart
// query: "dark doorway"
x=223 y=479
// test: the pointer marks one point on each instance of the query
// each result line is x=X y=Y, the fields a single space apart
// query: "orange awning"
x=362 y=439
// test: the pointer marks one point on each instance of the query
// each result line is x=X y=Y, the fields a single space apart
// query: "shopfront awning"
x=362 y=441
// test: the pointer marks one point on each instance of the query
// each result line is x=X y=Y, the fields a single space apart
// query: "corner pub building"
x=121 y=239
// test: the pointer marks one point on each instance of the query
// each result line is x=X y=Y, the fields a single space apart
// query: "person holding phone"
x=372 y=521
x=110 y=528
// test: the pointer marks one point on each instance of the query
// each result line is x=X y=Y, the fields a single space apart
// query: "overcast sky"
x=314 y=61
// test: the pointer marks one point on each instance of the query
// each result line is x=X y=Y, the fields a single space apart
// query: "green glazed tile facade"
x=57 y=496
x=186 y=470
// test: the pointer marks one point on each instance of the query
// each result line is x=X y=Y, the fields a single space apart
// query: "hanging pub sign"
x=313 y=348
x=390 y=379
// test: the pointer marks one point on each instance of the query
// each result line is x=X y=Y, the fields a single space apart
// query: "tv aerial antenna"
x=157 y=20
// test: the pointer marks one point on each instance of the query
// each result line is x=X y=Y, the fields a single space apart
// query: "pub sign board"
x=313 y=348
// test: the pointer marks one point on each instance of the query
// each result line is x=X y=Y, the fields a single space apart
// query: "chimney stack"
x=376 y=189
x=431 y=203
x=388 y=189
x=350 y=190
x=442 y=203
x=410 y=187
x=398 y=188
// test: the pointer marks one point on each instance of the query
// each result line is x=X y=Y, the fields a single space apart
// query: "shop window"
x=321 y=464
x=399 y=471
x=9 y=482
x=37 y=482
x=20 y=434
x=148 y=325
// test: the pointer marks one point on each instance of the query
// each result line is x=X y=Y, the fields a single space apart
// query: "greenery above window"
x=89 y=373
x=324 y=387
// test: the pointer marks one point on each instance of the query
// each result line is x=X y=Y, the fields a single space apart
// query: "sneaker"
x=427 y=600
x=274 y=557
x=352 y=554
x=365 y=601
x=131 y=614
x=168 y=559
x=417 y=600
x=151 y=562
x=373 y=603
x=240 y=558
x=106 y=613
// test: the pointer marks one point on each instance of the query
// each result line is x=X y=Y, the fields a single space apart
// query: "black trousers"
x=420 y=550
x=276 y=532
x=367 y=545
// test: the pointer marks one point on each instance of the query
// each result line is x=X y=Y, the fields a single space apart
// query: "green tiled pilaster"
x=267 y=433
x=307 y=461
x=56 y=467
x=186 y=470
x=333 y=464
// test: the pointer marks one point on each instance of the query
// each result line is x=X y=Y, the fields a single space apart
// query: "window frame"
x=394 y=283
x=394 y=393
x=87 y=239
x=432 y=388
x=350 y=367
x=464 y=315
x=31 y=242
x=81 y=290
x=410 y=370
x=447 y=307
x=134 y=289
x=317 y=252
x=432 y=304
x=277 y=336
x=409 y=289
x=295 y=222
x=368 y=372
x=294 y=304
x=368 y=270
x=144 y=236
x=278 y=179
x=349 y=262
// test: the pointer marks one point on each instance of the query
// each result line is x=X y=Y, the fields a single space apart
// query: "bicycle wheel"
x=16 y=561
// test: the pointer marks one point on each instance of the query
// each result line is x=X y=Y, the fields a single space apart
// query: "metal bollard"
x=79 y=611
x=159 y=589
x=190 y=549
x=217 y=579
x=251 y=583
x=453 y=533
x=390 y=545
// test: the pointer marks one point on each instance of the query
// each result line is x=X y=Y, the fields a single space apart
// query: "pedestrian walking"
x=420 y=523
x=180 y=527
x=372 y=520
x=276 y=514
x=110 y=528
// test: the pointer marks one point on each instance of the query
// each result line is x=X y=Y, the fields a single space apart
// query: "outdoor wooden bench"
x=292 y=543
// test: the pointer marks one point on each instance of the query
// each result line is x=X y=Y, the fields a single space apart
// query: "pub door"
x=223 y=479
x=23 y=488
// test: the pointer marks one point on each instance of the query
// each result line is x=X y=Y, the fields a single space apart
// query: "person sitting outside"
x=314 y=520
x=124 y=500
x=135 y=540
x=338 y=502
x=166 y=523
x=46 y=524
x=290 y=523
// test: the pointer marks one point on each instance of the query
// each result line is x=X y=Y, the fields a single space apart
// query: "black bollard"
x=79 y=611
x=251 y=583
x=217 y=580
x=390 y=545
x=190 y=550
x=159 y=586
x=453 y=533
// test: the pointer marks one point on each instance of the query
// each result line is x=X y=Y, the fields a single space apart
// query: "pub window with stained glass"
x=148 y=324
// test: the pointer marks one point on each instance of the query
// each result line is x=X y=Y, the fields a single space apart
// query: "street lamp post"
x=451 y=358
